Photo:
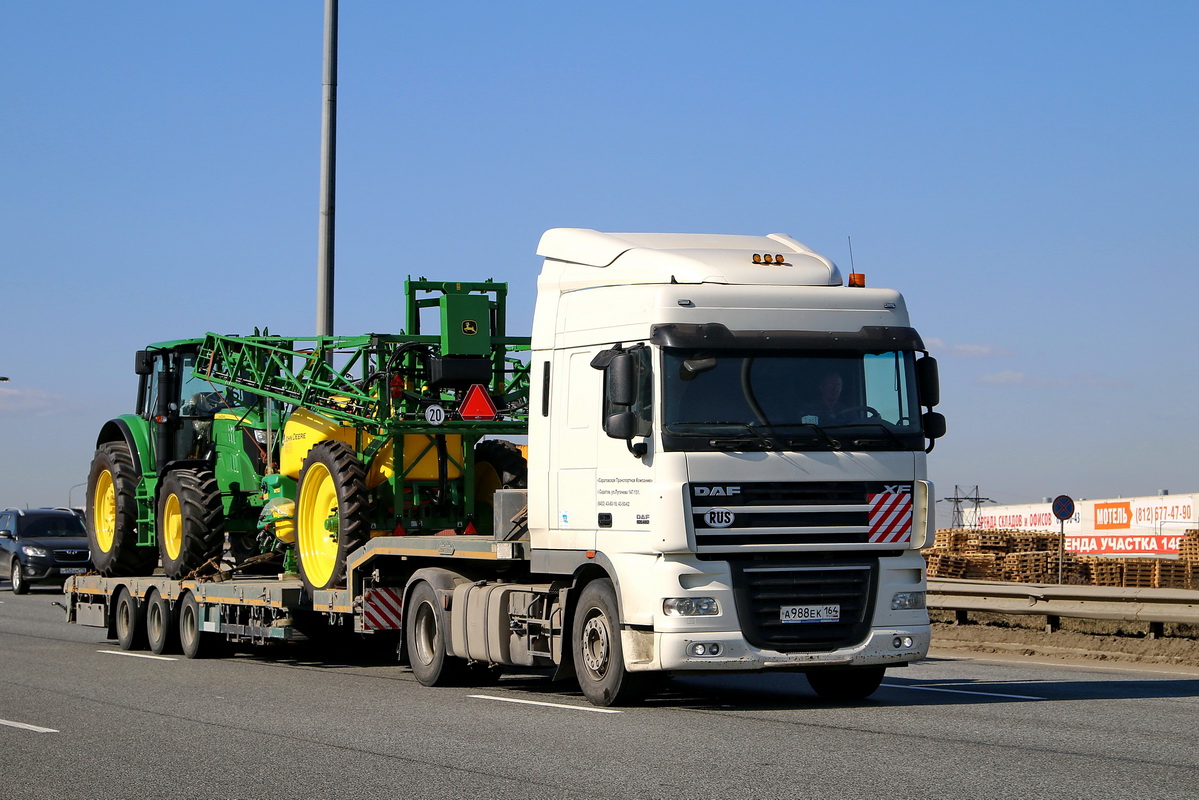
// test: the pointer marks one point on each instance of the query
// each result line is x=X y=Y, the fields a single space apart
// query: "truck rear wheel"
x=331 y=519
x=846 y=684
x=160 y=623
x=424 y=639
x=190 y=521
x=129 y=622
x=597 y=650
x=112 y=515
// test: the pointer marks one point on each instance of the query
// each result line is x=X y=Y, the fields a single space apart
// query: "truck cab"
x=737 y=440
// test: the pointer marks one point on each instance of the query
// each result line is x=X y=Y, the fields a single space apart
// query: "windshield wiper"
x=734 y=442
x=884 y=428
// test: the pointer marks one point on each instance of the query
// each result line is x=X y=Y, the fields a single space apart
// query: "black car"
x=42 y=545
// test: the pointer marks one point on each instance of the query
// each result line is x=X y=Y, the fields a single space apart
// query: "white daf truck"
x=725 y=473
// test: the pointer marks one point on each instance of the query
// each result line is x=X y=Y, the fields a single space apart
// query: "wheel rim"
x=172 y=527
x=425 y=640
x=124 y=619
x=154 y=621
x=104 y=511
x=18 y=579
x=318 y=504
x=596 y=645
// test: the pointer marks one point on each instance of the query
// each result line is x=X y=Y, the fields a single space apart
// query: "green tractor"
x=290 y=453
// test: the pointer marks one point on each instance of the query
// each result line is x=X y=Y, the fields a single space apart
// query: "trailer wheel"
x=160 y=623
x=129 y=622
x=846 y=684
x=194 y=642
x=424 y=640
x=598 y=654
x=331 y=518
x=112 y=515
x=190 y=521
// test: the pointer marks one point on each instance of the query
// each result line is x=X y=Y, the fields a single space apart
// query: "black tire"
x=498 y=465
x=425 y=632
x=112 y=515
x=597 y=651
x=846 y=684
x=333 y=481
x=160 y=624
x=506 y=460
x=17 y=575
x=129 y=621
x=192 y=641
x=190 y=521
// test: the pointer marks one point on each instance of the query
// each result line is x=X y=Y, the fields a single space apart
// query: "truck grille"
x=790 y=515
x=762 y=588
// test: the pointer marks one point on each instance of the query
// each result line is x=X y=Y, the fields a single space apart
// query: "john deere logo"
x=470 y=327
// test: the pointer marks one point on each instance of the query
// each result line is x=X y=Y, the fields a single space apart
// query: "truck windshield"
x=790 y=400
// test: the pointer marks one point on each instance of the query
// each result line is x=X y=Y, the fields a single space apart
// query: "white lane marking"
x=960 y=691
x=23 y=726
x=137 y=655
x=551 y=705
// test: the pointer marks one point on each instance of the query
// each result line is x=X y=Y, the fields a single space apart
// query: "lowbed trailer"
x=201 y=616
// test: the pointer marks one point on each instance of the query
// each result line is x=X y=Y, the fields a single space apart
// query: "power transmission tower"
x=958 y=500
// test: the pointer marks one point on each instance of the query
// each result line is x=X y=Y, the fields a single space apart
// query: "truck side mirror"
x=621 y=425
x=928 y=383
x=622 y=380
x=933 y=423
x=143 y=363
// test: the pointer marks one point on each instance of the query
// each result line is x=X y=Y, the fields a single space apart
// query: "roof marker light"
x=757 y=258
x=857 y=279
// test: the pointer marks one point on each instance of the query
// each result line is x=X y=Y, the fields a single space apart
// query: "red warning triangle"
x=477 y=405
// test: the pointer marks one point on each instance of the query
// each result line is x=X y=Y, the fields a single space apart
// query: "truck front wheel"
x=846 y=684
x=598 y=654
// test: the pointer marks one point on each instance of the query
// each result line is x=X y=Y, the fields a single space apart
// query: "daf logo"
x=717 y=491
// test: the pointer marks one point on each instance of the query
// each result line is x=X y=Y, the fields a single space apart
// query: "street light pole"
x=324 y=265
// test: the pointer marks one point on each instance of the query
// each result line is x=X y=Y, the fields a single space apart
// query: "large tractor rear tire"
x=331 y=513
x=190 y=521
x=112 y=515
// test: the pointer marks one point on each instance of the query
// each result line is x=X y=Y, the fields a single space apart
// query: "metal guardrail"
x=1155 y=606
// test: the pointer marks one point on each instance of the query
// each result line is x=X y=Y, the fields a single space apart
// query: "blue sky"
x=1025 y=172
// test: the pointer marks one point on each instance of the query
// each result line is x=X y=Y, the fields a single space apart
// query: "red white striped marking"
x=382 y=609
x=891 y=518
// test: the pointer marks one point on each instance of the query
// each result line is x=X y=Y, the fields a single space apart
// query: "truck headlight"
x=907 y=600
x=690 y=607
x=36 y=552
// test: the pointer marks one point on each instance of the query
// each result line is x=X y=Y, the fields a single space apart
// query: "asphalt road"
x=81 y=719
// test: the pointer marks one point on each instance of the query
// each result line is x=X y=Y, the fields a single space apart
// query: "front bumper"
x=671 y=652
x=35 y=572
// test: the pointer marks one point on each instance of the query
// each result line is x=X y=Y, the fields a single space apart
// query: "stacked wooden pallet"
x=1140 y=573
x=1103 y=571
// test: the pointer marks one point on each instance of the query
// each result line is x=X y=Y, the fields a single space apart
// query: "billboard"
x=1124 y=526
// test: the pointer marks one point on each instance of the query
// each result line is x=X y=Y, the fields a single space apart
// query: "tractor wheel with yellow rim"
x=112 y=514
x=331 y=513
x=190 y=521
